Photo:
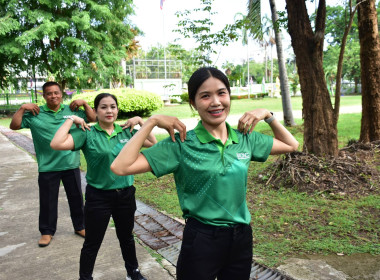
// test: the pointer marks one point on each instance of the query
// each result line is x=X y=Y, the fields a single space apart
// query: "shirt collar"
x=205 y=137
x=46 y=108
x=117 y=129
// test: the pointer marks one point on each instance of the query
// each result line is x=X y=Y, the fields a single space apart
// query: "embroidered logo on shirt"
x=123 y=140
x=243 y=156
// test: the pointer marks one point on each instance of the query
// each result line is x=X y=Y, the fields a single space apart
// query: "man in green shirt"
x=54 y=166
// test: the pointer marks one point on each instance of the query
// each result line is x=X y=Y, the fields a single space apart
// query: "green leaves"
x=78 y=43
x=131 y=102
x=8 y=24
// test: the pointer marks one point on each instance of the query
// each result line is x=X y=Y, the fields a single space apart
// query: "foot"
x=81 y=233
x=136 y=275
x=45 y=240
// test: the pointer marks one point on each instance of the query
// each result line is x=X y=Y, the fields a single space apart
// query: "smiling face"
x=107 y=110
x=212 y=101
x=53 y=97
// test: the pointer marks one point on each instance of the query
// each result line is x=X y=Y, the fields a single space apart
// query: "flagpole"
x=164 y=39
x=164 y=43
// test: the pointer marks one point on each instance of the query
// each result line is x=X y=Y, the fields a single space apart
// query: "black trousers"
x=100 y=205
x=49 y=189
x=209 y=251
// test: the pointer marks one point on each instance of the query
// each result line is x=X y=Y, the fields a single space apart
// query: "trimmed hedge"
x=131 y=102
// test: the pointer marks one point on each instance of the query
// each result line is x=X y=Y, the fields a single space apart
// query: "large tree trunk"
x=370 y=70
x=286 y=102
x=320 y=120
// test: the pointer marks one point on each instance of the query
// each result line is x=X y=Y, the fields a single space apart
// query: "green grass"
x=286 y=223
x=183 y=111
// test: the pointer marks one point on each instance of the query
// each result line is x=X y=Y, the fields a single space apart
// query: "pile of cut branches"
x=353 y=173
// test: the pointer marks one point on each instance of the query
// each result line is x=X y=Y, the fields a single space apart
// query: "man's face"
x=53 y=96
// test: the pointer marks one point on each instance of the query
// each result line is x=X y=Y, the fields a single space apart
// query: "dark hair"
x=100 y=96
x=49 y=84
x=201 y=75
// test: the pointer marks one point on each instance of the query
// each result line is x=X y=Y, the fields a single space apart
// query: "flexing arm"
x=17 y=117
x=130 y=161
x=150 y=140
x=283 y=142
x=62 y=139
x=90 y=114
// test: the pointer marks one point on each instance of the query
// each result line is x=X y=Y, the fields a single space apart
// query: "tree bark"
x=370 y=70
x=285 y=95
x=320 y=120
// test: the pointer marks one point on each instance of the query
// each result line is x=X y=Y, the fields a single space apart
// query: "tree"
x=72 y=41
x=286 y=102
x=320 y=117
x=253 y=13
x=320 y=120
x=370 y=74
x=199 y=28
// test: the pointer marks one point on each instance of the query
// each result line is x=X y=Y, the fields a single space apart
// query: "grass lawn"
x=243 y=105
x=285 y=222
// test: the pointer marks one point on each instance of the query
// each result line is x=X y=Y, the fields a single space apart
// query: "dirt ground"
x=355 y=172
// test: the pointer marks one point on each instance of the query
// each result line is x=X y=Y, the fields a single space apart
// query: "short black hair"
x=201 y=75
x=100 y=96
x=49 y=84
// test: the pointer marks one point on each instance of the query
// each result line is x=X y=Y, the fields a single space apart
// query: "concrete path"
x=20 y=256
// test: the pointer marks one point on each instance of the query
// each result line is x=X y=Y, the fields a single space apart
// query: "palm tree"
x=254 y=15
x=244 y=31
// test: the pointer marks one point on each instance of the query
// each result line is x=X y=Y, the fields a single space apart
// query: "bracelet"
x=69 y=117
x=270 y=119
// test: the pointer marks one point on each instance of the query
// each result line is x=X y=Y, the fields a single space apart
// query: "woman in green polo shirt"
x=106 y=193
x=210 y=167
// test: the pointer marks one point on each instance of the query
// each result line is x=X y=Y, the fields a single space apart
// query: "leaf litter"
x=354 y=173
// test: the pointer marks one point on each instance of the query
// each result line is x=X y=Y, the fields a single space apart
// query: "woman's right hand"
x=79 y=122
x=170 y=124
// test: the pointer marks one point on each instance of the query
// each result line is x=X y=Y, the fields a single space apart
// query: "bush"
x=184 y=97
x=131 y=102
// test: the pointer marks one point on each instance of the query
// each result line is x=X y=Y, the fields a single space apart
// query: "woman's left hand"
x=249 y=120
x=132 y=122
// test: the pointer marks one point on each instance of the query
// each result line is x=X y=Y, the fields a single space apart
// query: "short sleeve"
x=261 y=145
x=79 y=138
x=164 y=157
x=26 y=120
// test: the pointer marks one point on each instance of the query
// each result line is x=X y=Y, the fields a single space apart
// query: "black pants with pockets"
x=209 y=251
x=49 y=183
x=100 y=206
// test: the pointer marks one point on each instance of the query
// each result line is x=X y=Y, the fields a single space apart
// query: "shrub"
x=131 y=102
x=184 y=97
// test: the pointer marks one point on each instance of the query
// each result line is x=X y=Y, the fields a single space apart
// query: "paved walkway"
x=20 y=256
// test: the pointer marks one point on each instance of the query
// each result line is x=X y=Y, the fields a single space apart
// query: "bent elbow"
x=295 y=146
x=53 y=145
x=116 y=170
x=14 y=127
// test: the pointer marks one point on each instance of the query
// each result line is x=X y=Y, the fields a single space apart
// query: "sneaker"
x=136 y=275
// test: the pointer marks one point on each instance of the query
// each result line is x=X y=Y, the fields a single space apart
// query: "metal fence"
x=9 y=99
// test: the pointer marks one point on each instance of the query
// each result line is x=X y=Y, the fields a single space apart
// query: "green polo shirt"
x=43 y=127
x=100 y=150
x=210 y=177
